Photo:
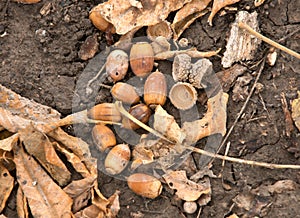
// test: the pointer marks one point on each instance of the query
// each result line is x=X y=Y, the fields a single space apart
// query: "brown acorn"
x=155 y=89
x=104 y=112
x=140 y=112
x=103 y=137
x=144 y=185
x=141 y=59
x=117 y=65
x=117 y=159
x=125 y=93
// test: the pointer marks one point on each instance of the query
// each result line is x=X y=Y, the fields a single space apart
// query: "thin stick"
x=267 y=40
x=242 y=161
x=136 y=121
x=88 y=88
x=242 y=109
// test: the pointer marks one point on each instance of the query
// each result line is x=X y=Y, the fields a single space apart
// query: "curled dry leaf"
x=241 y=45
x=218 y=5
x=141 y=155
x=213 y=122
x=296 y=111
x=166 y=125
x=187 y=15
x=45 y=197
x=22 y=206
x=38 y=145
x=80 y=192
x=126 y=16
x=186 y=189
x=6 y=186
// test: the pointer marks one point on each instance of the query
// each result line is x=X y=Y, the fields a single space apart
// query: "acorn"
x=144 y=185
x=104 y=112
x=103 y=137
x=99 y=22
x=141 y=59
x=117 y=159
x=117 y=65
x=141 y=112
x=125 y=93
x=155 y=89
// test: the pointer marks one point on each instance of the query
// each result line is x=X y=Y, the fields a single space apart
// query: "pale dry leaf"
x=187 y=15
x=213 y=122
x=186 y=189
x=79 y=147
x=218 y=5
x=45 y=197
x=296 y=111
x=241 y=45
x=80 y=192
x=282 y=186
x=166 y=125
x=6 y=186
x=99 y=200
x=140 y=156
x=125 y=17
x=26 y=108
x=7 y=144
x=91 y=211
x=38 y=145
x=114 y=204
x=76 y=162
x=22 y=205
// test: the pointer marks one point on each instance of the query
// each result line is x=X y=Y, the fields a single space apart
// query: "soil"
x=39 y=60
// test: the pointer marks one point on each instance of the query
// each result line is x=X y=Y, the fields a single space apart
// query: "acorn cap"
x=183 y=95
x=162 y=28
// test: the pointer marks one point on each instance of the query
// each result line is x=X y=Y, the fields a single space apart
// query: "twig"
x=242 y=161
x=121 y=109
x=267 y=40
x=88 y=88
x=242 y=109
x=288 y=35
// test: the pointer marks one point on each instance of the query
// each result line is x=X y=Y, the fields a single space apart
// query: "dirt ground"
x=39 y=60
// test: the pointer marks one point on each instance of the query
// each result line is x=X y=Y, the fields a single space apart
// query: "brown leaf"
x=6 y=186
x=80 y=192
x=125 y=15
x=213 y=122
x=282 y=186
x=7 y=144
x=22 y=206
x=114 y=204
x=296 y=111
x=228 y=77
x=241 y=45
x=218 y=5
x=26 y=108
x=187 y=15
x=6 y=159
x=90 y=212
x=38 y=145
x=186 y=189
x=45 y=197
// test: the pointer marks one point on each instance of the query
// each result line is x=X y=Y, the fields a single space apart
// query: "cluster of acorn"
x=141 y=61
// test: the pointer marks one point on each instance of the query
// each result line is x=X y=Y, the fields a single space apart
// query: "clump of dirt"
x=39 y=60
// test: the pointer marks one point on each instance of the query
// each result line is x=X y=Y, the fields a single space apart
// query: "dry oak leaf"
x=38 y=145
x=186 y=189
x=296 y=111
x=126 y=15
x=6 y=186
x=45 y=197
x=7 y=144
x=187 y=15
x=218 y=5
x=213 y=122
x=22 y=206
